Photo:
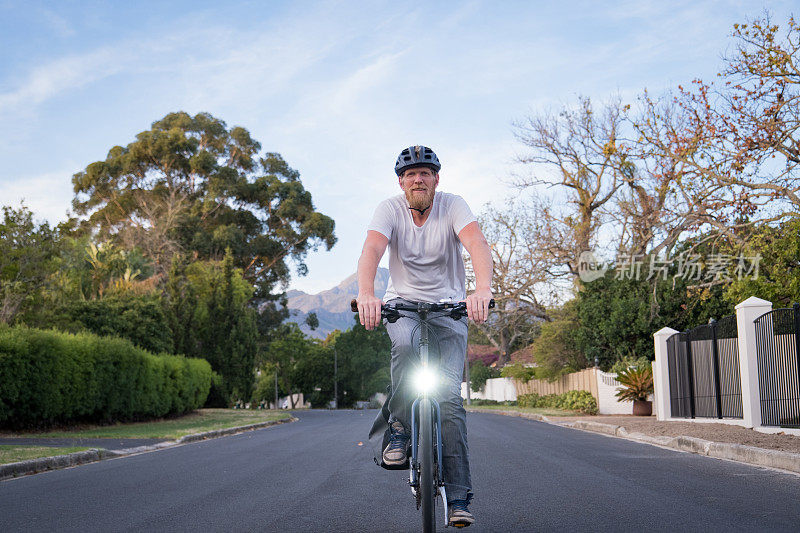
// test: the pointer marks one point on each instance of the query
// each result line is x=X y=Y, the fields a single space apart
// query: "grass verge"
x=544 y=411
x=170 y=428
x=15 y=454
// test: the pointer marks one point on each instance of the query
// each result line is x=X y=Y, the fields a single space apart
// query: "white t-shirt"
x=425 y=263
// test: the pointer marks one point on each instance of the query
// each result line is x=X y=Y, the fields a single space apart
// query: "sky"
x=338 y=88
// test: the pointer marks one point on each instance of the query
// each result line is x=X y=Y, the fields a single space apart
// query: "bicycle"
x=426 y=478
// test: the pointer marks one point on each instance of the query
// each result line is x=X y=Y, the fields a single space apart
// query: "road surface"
x=311 y=475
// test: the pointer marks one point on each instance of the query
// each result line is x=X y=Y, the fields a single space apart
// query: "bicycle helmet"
x=416 y=156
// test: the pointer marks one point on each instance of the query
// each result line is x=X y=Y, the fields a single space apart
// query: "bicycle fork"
x=415 y=438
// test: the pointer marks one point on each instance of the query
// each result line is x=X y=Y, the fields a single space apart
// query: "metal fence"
x=704 y=377
x=777 y=352
x=681 y=397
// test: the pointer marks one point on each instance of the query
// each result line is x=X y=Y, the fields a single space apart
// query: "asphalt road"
x=311 y=475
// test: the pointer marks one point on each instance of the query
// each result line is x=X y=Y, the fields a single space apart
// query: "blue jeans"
x=448 y=348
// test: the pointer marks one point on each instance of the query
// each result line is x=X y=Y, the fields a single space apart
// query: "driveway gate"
x=778 y=377
x=704 y=379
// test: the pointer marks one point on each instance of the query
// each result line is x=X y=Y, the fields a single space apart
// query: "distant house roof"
x=486 y=353
x=524 y=356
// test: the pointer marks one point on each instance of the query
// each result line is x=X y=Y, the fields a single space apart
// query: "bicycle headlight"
x=425 y=379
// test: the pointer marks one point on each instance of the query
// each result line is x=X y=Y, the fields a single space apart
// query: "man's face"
x=419 y=184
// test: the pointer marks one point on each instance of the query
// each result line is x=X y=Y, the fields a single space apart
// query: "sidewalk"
x=720 y=441
x=711 y=431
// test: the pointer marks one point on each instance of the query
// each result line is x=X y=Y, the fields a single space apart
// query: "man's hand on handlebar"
x=478 y=305
x=369 y=310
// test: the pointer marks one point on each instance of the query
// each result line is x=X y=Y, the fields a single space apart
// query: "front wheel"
x=427 y=468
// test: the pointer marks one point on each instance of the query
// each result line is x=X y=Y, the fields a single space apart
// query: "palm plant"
x=637 y=383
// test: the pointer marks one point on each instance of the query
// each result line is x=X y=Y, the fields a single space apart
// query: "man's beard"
x=420 y=201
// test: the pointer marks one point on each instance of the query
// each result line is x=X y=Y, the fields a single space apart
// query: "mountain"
x=331 y=306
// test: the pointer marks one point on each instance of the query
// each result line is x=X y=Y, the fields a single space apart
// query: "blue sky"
x=338 y=88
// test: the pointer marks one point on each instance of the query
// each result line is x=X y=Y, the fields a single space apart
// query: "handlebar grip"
x=491 y=303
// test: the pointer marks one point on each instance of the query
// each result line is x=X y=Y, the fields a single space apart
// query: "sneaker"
x=458 y=512
x=396 y=452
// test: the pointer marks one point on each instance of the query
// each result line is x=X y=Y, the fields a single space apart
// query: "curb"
x=230 y=431
x=56 y=462
x=518 y=414
x=718 y=450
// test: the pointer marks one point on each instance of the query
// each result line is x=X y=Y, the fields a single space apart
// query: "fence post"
x=661 y=373
x=796 y=315
x=715 y=354
x=746 y=313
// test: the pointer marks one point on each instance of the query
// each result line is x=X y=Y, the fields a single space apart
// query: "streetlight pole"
x=466 y=371
x=335 y=382
x=276 y=387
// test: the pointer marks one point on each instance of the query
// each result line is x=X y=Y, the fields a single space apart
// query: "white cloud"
x=49 y=80
x=48 y=195
x=350 y=91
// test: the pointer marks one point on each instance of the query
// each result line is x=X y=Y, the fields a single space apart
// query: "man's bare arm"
x=473 y=240
x=369 y=307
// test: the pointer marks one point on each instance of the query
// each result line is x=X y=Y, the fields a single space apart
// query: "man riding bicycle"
x=425 y=230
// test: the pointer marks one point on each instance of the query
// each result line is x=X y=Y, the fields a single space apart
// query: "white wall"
x=286 y=402
x=499 y=389
x=608 y=403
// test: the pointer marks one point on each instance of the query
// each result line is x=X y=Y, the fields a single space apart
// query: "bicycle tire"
x=427 y=467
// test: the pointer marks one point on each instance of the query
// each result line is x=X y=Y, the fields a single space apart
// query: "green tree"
x=192 y=184
x=312 y=321
x=778 y=276
x=617 y=317
x=556 y=350
x=208 y=310
x=479 y=373
x=313 y=373
x=27 y=258
x=287 y=354
x=364 y=359
x=86 y=270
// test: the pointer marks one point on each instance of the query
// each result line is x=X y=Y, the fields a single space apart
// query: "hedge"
x=49 y=377
x=575 y=400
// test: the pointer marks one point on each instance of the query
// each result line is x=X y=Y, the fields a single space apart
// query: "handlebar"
x=391 y=312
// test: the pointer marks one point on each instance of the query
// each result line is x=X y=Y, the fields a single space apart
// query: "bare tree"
x=575 y=153
x=740 y=140
x=522 y=283
x=666 y=197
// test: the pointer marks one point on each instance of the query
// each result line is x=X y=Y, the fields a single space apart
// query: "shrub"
x=573 y=400
x=578 y=400
x=478 y=402
x=140 y=319
x=519 y=371
x=49 y=377
x=479 y=373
